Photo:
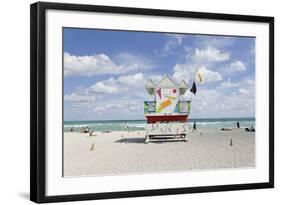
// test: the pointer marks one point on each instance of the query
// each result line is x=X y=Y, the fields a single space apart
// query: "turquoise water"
x=140 y=124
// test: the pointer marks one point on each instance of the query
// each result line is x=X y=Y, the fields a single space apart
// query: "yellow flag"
x=199 y=77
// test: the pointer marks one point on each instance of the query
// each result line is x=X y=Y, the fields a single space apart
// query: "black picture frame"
x=38 y=101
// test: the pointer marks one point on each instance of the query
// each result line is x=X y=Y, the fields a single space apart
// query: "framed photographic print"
x=129 y=102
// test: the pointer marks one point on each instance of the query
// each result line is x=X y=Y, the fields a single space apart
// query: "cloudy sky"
x=105 y=72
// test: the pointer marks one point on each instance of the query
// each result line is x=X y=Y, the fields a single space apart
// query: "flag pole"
x=195 y=75
x=193 y=81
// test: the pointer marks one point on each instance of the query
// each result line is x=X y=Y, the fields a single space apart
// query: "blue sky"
x=105 y=72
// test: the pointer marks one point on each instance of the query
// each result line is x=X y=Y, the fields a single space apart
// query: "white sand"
x=113 y=154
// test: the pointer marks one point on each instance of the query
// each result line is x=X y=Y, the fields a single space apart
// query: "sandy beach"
x=125 y=152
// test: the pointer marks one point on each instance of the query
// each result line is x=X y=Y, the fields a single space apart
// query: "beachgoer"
x=252 y=129
x=71 y=129
x=127 y=126
x=238 y=125
x=194 y=127
x=225 y=129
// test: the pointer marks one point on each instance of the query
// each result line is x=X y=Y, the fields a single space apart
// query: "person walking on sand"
x=238 y=125
x=194 y=127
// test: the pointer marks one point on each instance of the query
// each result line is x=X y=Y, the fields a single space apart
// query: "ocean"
x=134 y=125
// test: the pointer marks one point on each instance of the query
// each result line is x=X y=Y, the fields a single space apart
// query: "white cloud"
x=228 y=84
x=79 y=98
x=129 y=59
x=183 y=72
x=214 y=41
x=118 y=106
x=241 y=102
x=216 y=103
x=208 y=75
x=156 y=78
x=99 y=109
x=238 y=66
x=95 y=97
x=250 y=81
x=110 y=106
x=236 y=102
x=101 y=64
x=243 y=91
x=207 y=102
x=175 y=40
x=135 y=80
x=187 y=72
x=101 y=87
x=210 y=54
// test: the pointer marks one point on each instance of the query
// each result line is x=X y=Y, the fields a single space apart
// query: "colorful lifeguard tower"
x=167 y=114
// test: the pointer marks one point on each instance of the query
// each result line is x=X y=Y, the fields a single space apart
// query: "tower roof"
x=183 y=84
x=166 y=82
x=150 y=87
x=183 y=87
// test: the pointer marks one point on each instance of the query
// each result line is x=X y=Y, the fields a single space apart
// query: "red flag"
x=159 y=92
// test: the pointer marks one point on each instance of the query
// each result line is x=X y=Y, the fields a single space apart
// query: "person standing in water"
x=238 y=125
x=71 y=129
x=194 y=127
x=127 y=127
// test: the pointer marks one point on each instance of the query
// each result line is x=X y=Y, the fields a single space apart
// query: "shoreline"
x=140 y=125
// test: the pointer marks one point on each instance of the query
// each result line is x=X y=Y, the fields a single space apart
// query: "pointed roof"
x=183 y=87
x=183 y=84
x=149 y=84
x=150 y=87
x=166 y=82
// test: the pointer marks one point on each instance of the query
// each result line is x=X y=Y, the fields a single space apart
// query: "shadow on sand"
x=139 y=140
x=131 y=140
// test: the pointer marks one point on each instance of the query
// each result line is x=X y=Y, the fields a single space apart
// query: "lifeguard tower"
x=167 y=114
